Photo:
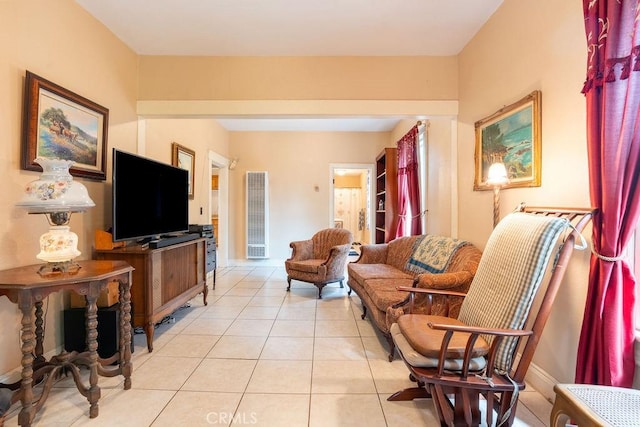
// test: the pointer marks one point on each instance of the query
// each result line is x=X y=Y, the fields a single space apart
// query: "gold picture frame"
x=512 y=136
x=185 y=158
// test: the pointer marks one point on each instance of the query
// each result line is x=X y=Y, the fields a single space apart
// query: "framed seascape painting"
x=511 y=136
x=60 y=124
x=184 y=158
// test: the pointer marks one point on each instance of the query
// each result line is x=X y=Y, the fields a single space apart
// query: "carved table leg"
x=125 y=333
x=39 y=333
x=93 y=394
x=27 y=412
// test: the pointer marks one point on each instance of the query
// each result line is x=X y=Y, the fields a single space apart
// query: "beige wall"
x=299 y=174
x=527 y=46
x=200 y=135
x=331 y=78
x=90 y=61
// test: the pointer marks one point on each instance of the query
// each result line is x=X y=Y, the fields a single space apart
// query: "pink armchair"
x=321 y=259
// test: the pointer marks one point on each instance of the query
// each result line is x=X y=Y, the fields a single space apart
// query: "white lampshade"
x=55 y=190
x=57 y=195
x=497 y=175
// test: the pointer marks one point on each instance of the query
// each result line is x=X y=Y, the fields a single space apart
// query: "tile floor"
x=257 y=355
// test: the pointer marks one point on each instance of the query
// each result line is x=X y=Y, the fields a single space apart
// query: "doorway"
x=219 y=205
x=351 y=201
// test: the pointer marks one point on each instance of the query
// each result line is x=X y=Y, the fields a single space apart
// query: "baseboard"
x=540 y=380
x=270 y=262
x=543 y=382
x=16 y=374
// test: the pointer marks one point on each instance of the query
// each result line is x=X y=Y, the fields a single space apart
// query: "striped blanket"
x=432 y=254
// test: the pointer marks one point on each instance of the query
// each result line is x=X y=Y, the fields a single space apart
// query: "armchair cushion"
x=428 y=341
x=307 y=265
x=414 y=358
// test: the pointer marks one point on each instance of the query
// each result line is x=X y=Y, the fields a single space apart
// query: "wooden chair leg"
x=442 y=404
x=392 y=348
x=289 y=282
x=410 y=394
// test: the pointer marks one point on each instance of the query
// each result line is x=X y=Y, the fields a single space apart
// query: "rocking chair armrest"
x=478 y=330
x=474 y=334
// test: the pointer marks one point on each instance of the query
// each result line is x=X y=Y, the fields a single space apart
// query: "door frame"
x=370 y=168
x=222 y=164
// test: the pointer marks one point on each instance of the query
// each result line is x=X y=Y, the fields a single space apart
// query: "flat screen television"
x=150 y=198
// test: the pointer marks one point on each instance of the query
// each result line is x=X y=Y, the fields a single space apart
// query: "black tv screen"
x=150 y=198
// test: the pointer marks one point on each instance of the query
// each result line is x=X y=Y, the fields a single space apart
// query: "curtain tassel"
x=611 y=75
x=636 y=54
x=626 y=69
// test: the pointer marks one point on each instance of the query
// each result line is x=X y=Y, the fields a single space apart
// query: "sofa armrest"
x=302 y=249
x=458 y=280
x=373 y=254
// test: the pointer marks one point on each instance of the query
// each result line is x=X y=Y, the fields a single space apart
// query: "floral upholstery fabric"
x=380 y=270
x=321 y=259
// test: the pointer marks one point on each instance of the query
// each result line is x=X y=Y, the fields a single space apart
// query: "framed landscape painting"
x=60 y=124
x=184 y=158
x=511 y=136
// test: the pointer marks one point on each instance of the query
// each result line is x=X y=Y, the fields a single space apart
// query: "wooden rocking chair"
x=455 y=361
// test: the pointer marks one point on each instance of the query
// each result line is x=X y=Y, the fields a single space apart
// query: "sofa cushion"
x=399 y=251
x=384 y=292
x=363 y=272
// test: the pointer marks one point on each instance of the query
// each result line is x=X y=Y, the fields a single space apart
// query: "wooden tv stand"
x=164 y=279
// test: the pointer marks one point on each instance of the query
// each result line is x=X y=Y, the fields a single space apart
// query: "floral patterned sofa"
x=425 y=261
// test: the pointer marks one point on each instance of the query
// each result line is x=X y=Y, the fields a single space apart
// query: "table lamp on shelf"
x=497 y=178
x=56 y=195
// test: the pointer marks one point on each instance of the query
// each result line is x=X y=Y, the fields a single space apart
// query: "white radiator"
x=257 y=215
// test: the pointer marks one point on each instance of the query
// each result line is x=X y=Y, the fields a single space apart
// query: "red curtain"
x=408 y=184
x=612 y=89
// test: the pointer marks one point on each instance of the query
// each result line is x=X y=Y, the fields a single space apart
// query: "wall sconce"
x=497 y=178
x=56 y=195
x=233 y=164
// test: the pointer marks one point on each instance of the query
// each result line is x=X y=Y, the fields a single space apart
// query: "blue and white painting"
x=510 y=141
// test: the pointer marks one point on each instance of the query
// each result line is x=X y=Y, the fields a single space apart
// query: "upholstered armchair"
x=321 y=259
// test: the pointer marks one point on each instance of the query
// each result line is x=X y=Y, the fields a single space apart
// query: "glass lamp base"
x=58 y=245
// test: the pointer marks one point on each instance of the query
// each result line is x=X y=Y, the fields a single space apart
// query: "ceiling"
x=295 y=28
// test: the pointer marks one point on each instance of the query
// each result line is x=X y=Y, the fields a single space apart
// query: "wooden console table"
x=164 y=279
x=24 y=287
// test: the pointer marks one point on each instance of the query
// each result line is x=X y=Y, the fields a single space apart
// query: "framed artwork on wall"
x=511 y=136
x=60 y=124
x=184 y=158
